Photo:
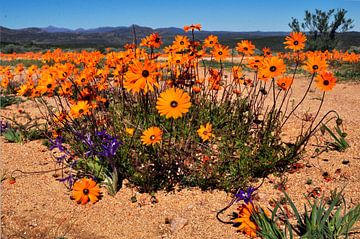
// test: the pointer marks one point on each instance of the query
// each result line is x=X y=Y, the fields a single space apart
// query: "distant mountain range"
x=52 y=36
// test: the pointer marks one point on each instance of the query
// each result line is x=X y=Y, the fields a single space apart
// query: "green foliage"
x=347 y=72
x=6 y=100
x=323 y=220
x=268 y=226
x=340 y=143
x=12 y=136
x=322 y=27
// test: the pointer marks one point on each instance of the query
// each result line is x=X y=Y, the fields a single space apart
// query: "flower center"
x=315 y=67
x=177 y=61
x=86 y=191
x=296 y=43
x=211 y=42
x=273 y=68
x=220 y=53
x=182 y=43
x=245 y=48
x=205 y=132
x=81 y=111
x=152 y=137
x=174 y=104
x=49 y=86
x=283 y=84
x=157 y=39
x=145 y=73
x=326 y=82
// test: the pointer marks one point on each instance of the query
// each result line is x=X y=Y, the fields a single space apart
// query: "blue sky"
x=232 y=15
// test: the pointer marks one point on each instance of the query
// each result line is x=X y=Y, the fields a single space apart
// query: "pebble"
x=177 y=224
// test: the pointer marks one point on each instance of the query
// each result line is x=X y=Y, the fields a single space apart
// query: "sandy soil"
x=37 y=206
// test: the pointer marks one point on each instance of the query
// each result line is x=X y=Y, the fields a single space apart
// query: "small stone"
x=345 y=161
x=177 y=224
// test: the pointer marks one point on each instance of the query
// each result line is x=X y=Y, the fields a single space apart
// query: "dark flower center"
x=315 y=67
x=157 y=39
x=152 y=137
x=86 y=191
x=273 y=68
x=83 y=80
x=326 y=82
x=283 y=84
x=177 y=61
x=211 y=42
x=296 y=43
x=245 y=48
x=174 y=104
x=81 y=111
x=145 y=73
x=49 y=86
x=182 y=43
x=220 y=53
x=205 y=132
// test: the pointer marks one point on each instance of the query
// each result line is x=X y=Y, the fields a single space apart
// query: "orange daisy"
x=315 y=63
x=205 y=132
x=81 y=108
x=173 y=103
x=272 y=67
x=211 y=41
x=152 y=136
x=296 y=41
x=325 y=81
x=247 y=225
x=245 y=47
x=141 y=76
x=220 y=52
x=285 y=82
x=84 y=190
x=181 y=43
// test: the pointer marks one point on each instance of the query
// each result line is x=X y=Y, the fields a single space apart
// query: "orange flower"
x=315 y=63
x=245 y=47
x=272 y=67
x=130 y=131
x=211 y=41
x=181 y=43
x=220 y=52
x=266 y=51
x=247 y=225
x=152 y=136
x=285 y=82
x=325 y=81
x=173 y=103
x=205 y=132
x=192 y=27
x=79 y=109
x=152 y=41
x=296 y=41
x=86 y=189
x=141 y=76
x=255 y=62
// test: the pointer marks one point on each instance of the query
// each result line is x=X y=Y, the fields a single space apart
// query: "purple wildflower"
x=244 y=195
x=3 y=126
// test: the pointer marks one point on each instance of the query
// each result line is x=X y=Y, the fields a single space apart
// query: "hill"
x=51 y=36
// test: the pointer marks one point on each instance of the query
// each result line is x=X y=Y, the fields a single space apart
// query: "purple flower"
x=101 y=144
x=244 y=195
x=110 y=148
x=3 y=126
x=58 y=144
